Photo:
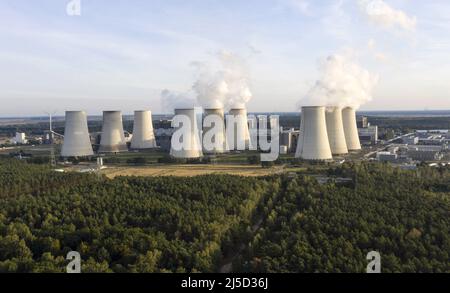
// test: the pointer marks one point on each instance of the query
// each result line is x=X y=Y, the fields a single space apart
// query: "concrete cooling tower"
x=351 y=129
x=143 y=135
x=313 y=141
x=219 y=139
x=189 y=137
x=241 y=133
x=77 y=142
x=113 y=137
x=335 y=129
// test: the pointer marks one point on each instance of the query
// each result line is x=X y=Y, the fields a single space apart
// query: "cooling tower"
x=335 y=129
x=219 y=139
x=77 y=142
x=113 y=137
x=350 y=129
x=189 y=137
x=143 y=135
x=313 y=141
x=241 y=133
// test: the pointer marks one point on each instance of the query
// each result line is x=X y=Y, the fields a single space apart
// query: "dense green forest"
x=283 y=223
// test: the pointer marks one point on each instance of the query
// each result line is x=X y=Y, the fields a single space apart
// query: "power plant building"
x=77 y=142
x=219 y=144
x=240 y=136
x=335 y=129
x=143 y=134
x=113 y=137
x=186 y=142
x=313 y=143
x=351 y=129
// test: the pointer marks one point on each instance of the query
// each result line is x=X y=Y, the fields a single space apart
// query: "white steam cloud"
x=172 y=100
x=342 y=83
x=223 y=83
x=384 y=15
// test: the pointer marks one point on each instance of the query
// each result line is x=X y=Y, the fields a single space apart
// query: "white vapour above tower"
x=77 y=142
x=143 y=135
x=313 y=143
x=342 y=83
x=186 y=140
x=224 y=82
x=113 y=137
x=351 y=129
x=335 y=129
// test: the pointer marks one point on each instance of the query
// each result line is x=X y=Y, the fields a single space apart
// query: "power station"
x=77 y=142
x=188 y=144
x=240 y=135
x=351 y=129
x=113 y=137
x=143 y=135
x=219 y=139
x=313 y=143
x=324 y=132
x=335 y=130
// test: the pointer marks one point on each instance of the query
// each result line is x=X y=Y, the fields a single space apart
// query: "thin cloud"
x=382 y=14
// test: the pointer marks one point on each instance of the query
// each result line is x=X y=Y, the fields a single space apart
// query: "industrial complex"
x=325 y=134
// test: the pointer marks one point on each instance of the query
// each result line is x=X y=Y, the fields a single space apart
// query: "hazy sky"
x=120 y=54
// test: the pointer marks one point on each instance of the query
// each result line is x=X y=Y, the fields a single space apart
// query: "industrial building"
x=240 y=134
x=313 y=143
x=335 y=129
x=189 y=137
x=410 y=140
x=423 y=155
x=387 y=157
x=219 y=138
x=351 y=129
x=368 y=135
x=288 y=139
x=113 y=137
x=20 y=138
x=143 y=135
x=77 y=142
x=362 y=122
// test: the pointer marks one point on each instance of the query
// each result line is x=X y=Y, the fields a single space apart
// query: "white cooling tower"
x=351 y=129
x=188 y=137
x=113 y=137
x=143 y=135
x=313 y=141
x=241 y=133
x=218 y=140
x=335 y=129
x=77 y=142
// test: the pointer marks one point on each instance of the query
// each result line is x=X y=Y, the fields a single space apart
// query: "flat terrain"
x=192 y=170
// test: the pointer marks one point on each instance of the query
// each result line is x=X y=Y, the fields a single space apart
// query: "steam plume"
x=223 y=83
x=342 y=83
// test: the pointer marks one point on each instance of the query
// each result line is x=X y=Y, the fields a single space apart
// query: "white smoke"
x=384 y=15
x=172 y=100
x=342 y=83
x=223 y=83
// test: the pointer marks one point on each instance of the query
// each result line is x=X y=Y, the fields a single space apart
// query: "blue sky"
x=121 y=54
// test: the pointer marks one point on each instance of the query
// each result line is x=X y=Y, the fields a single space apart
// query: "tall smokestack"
x=313 y=141
x=335 y=129
x=76 y=136
x=351 y=129
x=143 y=135
x=241 y=134
x=113 y=137
x=219 y=139
x=190 y=139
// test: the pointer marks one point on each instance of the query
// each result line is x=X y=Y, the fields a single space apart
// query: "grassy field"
x=193 y=170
